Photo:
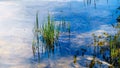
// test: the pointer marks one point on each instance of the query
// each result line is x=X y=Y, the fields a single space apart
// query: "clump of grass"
x=47 y=36
x=113 y=45
x=50 y=34
x=92 y=63
x=74 y=59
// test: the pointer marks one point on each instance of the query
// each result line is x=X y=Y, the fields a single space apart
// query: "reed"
x=50 y=34
x=46 y=36
x=113 y=45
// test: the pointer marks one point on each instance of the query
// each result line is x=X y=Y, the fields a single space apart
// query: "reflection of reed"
x=87 y=2
x=90 y=2
x=36 y=43
x=107 y=1
x=95 y=4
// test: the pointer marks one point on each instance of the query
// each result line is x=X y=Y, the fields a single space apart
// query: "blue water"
x=17 y=19
x=84 y=18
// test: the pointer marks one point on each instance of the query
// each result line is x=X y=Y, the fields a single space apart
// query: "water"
x=17 y=20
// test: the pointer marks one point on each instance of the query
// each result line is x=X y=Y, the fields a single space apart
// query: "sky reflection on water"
x=17 y=21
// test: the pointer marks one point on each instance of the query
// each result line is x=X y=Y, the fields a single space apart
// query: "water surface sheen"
x=17 y=20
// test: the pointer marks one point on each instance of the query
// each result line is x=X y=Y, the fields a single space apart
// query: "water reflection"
x=89 y=2
x=85 y=17
x=75 y=49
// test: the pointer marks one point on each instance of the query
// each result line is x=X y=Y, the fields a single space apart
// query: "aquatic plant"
x=92 y=63
x=46 y=36
x=36 y=41
x=74 y=59
x=50 y=34
x=113 y=45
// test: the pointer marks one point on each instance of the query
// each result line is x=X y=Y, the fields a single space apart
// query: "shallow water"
x=17 y=20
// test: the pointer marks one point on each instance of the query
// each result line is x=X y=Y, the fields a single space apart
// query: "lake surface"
x=17 y=19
